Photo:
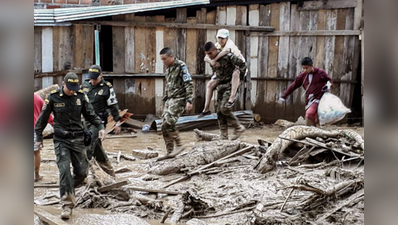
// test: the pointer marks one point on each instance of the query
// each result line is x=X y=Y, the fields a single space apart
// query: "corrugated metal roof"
x=51 y=17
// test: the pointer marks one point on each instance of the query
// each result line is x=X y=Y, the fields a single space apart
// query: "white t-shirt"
x=231 y=47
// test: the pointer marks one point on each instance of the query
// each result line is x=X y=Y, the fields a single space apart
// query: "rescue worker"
x=227 y=66
x=177 y=98
x=102 y=97
x=68 y=104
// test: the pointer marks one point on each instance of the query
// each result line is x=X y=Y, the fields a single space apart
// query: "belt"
x=68 y=134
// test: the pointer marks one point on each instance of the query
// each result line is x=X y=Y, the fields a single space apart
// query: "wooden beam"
x=112 y=186
x=155 y=190
x=327 y=4
x=48 y=217
x=178 y=25
x=310 y=33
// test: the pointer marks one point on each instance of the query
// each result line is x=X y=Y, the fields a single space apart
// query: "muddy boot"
x=179 y=146
x=224 y=133
x=239 y=129
x=68 y=201
x=169 y=142
x=107 y=168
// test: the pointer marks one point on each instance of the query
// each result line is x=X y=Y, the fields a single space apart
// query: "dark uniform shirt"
x=227 y=67
x=67 y=112
x=178 y=82
x=102 y=96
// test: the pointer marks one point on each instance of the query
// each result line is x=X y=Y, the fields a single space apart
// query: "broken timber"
x=192 y=122
x=189 y=174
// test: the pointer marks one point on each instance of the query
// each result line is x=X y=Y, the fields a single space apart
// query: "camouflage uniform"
x=228 y=64
x=102 y=97
x=68 y=137
x=178 y=92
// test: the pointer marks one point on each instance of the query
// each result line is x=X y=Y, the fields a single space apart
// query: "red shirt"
x=314 y=90
x=38 y=105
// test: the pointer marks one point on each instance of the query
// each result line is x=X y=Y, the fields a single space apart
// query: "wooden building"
x=273 y=36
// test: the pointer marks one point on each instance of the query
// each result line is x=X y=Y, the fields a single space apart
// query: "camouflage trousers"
x=67 y=151
x=173 y=109
x=224 y=114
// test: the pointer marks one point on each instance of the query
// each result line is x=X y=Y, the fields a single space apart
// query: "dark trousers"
x=67 y=151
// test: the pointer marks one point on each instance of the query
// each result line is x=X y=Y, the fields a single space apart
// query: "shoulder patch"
x=109 y=84
x=186 y=77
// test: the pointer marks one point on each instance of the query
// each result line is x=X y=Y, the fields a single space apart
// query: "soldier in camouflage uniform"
x=67 y=105
x=177 y=98
x=102 y=97
x=224 y=72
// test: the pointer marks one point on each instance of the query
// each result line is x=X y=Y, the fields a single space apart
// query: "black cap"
x=94 y=72
x=72 y=81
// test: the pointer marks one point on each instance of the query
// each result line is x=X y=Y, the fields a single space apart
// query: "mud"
x=231 y=186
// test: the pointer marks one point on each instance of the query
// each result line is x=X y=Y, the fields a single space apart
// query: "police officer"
x=227 y=65
x=102 y=96
x=176 y=99
x=68 y=104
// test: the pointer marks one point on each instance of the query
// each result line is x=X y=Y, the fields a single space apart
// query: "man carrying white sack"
x=315 y=83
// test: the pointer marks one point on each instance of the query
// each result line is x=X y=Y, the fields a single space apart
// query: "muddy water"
x=224 y=191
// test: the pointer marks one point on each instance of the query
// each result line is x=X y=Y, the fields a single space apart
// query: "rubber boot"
x=224 y=133
x=239 y=129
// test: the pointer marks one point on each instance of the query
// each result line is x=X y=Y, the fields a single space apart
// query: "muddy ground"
x=235 y=184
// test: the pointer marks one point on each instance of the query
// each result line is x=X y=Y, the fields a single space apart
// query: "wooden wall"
x=327 y=33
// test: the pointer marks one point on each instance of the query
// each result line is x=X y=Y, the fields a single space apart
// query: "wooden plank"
x=320 y=41
x=240 y=42
x=159 y=84
x=283 y=58
x=140 y=92
x=181 y=37
x=351 y=59
x=145 y=47
x=358 y=14
x=119 y=87
x=210 y=36
x=328 y=4
x=231 y=20
x=83 y=47
x=48 y=217
x=56 y=48
x=294 y=103
x=129 y=45
x=221 y=18
x=169 y=24
x=272 y=70
x=191 y=56
x=118 y=42
x=254 y=17
x=47 y=49
x=262 y=70
x=331 y=16
x=200 y=85
x=339 y=50
x=38 y=50
x=297 y=33
x=155 y=190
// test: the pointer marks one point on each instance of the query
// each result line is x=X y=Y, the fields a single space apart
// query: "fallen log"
x=201 y=154
x=267 y=162
x=43 y=93
x=144 y=154
x=189 y=174
x=48 y=217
